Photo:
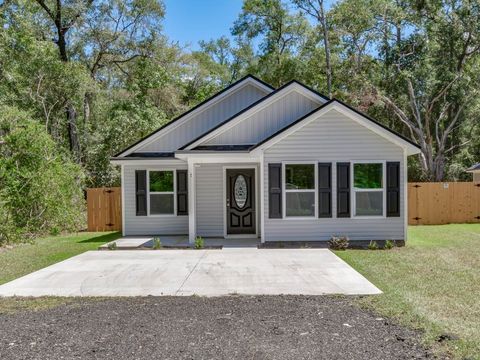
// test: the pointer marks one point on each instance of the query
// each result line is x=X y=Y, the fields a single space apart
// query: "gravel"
x=233 y=327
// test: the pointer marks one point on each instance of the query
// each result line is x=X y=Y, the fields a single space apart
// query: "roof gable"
x=225 y=94
x=311 y=99
x=348 y=111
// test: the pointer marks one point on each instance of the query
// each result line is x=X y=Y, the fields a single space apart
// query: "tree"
x=282 y=35
x=40 y=187
x=316 y=9
x=64 y=17
x=432 y=77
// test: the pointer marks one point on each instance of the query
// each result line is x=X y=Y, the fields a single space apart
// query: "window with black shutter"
x=275 y=191
x=324 y=190
x=182 y=192
x=343 y=190
x=393 y=189
x=141 y=192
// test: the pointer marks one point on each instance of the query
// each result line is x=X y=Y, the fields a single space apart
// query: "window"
x=368 y=189
x=300 y=190
x=161 y=192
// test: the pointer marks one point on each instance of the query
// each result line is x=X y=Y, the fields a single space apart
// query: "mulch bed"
x=233 y=327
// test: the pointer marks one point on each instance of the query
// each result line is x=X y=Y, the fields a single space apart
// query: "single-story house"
x=475 y=170
x=286 y=164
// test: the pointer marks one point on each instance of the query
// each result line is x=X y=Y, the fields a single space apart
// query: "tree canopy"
x=97 y=75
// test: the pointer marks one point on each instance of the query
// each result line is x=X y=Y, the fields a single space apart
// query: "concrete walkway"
x=201 y=272
x=178 y=241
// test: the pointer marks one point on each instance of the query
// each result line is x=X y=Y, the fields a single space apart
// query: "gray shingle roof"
x=475 y=167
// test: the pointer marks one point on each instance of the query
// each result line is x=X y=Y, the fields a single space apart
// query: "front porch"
x=179 y=242
x=224 y=200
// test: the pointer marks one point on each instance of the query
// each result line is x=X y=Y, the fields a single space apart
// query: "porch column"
x=191 y=203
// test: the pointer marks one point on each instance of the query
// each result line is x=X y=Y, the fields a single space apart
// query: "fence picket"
x=439 y=203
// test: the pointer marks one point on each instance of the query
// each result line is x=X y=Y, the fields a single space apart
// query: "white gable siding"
x=148 y=225
x=266 y=121
x=334 y=138
x=205 y=120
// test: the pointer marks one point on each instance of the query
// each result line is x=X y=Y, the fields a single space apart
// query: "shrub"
x=40 y=186
x=112 y=246
x=389 y=244
x=373 y=245
x=157 y=244
x=199 y=243
x=338 y=242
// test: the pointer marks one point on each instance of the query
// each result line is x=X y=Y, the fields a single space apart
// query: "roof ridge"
x=178 y=117
x=333 y=100
x=259 y=101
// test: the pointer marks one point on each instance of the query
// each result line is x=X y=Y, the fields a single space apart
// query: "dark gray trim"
x=195 y=108
x=142 y=158
x=223 y=147
x=151 y=155
x=324 y=190
x=141 y=192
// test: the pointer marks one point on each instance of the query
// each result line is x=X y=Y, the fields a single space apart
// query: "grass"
x=432 y=284
x=26 y=258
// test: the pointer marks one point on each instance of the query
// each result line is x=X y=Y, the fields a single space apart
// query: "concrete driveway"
x=201 y=272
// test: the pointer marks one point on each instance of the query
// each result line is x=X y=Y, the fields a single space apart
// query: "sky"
x=189 y=21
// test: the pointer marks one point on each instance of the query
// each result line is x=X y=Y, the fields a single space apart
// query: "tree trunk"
x=72 y=131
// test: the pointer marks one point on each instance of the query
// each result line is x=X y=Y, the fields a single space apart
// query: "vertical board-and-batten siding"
x=205 y=120
x=149 y=225
x=334 y=137
x=210 y=198
x=267 y=121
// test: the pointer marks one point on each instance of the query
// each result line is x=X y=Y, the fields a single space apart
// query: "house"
x=475 y=170
x=280 y=165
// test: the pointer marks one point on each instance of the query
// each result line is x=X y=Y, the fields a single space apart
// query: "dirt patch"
x=241 y=327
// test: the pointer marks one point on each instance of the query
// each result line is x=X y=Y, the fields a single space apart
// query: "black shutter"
x=275 y=191
x=343 y=190
x=324 y=190
x=141 y=192
x=393 y=189
x=182 y=192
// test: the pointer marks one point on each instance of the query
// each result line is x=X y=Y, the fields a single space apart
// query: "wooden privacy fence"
x=443 y=203
x=428 y=204
x=104 y=209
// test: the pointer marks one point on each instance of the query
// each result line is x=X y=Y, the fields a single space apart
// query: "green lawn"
x=24 y=259
x=432 y=284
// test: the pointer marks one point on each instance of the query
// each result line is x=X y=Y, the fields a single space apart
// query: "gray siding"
x=334 y=138
x=209 y=205
x=205 y=120
x=210 y=198
x=267 y=121
x=149 y=225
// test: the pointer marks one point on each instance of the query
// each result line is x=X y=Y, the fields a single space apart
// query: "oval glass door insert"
x=240 y=191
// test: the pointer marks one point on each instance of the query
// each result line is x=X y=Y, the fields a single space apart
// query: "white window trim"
x=284 y=190
x=354 y=190
x=174 y=193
